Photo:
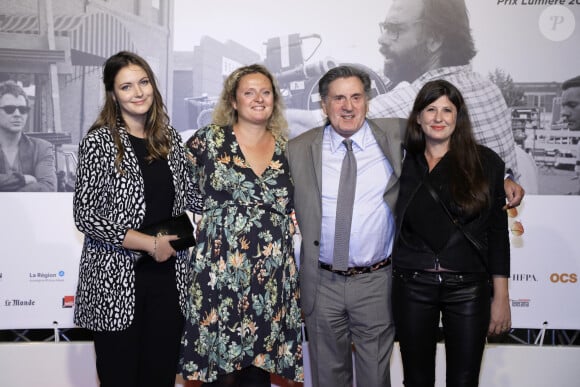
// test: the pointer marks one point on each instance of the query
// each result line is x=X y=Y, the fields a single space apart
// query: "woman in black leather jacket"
x=451 y=242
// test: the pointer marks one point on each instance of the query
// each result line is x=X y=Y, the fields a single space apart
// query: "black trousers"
x=463 y=302
x=145 y=354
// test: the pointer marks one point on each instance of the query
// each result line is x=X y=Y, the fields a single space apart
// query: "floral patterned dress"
x=244 y=299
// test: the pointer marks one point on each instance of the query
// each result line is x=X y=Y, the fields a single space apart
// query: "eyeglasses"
x=393 y=30
x=10 y=109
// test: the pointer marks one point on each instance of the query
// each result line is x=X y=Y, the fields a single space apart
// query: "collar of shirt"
x=372 y=227
x=438 y=73
x=359 y=138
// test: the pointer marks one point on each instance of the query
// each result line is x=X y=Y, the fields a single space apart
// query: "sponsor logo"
x=15 y=302
x=47 y=276
x=524 y=277
x=557 y=22
x=521 y=303
x=68 y=301
x=564 y=278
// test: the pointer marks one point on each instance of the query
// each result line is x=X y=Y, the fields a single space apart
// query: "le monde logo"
x=17 y=302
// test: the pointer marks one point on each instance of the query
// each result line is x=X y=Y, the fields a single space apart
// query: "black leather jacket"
x=489 y=227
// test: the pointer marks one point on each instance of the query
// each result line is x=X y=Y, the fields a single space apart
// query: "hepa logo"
x=524 y=277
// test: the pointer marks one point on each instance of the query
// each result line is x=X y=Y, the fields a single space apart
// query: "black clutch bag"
x=179 y=225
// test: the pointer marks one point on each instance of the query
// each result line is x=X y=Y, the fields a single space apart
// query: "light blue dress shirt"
x=373 y=226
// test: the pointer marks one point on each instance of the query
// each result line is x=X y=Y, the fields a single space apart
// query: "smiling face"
x=438 y=120
x=13 y=113
x=254 y=101
x=134 y=93
x=346 y=105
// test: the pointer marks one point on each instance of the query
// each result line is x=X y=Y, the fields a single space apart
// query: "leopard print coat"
x=106 y=204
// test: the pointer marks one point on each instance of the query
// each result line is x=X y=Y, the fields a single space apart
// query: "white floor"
x=72 y=365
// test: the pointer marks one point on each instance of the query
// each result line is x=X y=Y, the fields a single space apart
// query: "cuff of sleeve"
x=509 y=175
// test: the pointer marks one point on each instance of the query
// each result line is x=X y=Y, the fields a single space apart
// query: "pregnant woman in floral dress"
x=244 y=319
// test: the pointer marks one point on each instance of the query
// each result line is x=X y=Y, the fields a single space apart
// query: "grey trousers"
x=351 y=312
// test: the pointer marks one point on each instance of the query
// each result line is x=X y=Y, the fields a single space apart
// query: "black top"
x=158 y=183
x=426 y=218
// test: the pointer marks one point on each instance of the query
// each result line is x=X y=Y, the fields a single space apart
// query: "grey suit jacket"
x=305 y=158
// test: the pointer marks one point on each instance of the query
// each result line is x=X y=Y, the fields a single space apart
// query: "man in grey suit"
x=349 y=305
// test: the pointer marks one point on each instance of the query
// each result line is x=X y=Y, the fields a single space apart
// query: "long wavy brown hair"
x=469 y=186
x=157 y=139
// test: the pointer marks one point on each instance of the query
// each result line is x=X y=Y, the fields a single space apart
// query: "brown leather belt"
x=356 y=269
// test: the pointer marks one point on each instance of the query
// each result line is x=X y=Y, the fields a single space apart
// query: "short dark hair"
x=343 y=72
x=12 y=88
x=572 y=82
x=449 y=20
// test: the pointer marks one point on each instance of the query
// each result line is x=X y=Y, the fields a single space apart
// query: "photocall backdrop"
x=534 y=42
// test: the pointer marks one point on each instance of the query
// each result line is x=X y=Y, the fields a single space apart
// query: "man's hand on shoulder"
x=299 y=121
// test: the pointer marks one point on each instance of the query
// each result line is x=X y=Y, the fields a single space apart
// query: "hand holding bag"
x=179 y=225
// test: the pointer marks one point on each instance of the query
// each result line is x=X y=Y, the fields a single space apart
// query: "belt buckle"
x=369 y=269
x=351 y=271
x=346 y=273
x=357 y=270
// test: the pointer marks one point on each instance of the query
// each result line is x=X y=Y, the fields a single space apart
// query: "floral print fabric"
x=244 y=300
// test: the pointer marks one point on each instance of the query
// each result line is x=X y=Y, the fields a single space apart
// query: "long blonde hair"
x=225 y=115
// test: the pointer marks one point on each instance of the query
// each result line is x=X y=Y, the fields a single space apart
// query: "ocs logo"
x=564 y=278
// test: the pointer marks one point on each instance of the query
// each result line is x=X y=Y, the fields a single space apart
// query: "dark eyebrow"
x=145 y=78
x=344 y=96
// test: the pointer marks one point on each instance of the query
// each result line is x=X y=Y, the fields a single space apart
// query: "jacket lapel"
x=316 y=157
x=390 y=144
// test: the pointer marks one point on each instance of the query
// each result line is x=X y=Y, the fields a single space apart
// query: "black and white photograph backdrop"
x=515 y=61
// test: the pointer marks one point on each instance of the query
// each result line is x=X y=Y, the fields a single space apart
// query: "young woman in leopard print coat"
x=132 y=287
